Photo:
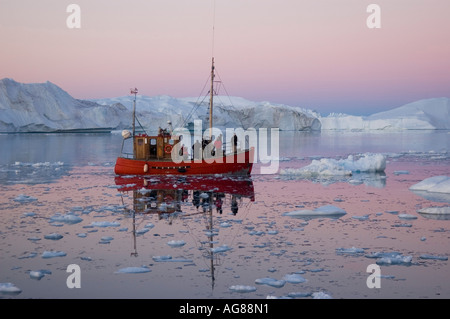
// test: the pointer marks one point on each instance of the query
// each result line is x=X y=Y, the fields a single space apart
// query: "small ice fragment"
x=427 y=256
x=351 y=251
x=53 y=236
x=321 y=295
x=294 y=278
x=176 y=243
x=133 y=270
x=407 y=216
x=105 y=224
x=9 y=288
x=242 y=288
x=68 y=218
x=22 y=198
x=220 y=249
x=270 y=282
x=51 y=254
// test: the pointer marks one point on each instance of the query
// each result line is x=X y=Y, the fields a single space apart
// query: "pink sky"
x=317 y=54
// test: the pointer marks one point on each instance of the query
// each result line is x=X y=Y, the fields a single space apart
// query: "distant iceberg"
x=427 y=114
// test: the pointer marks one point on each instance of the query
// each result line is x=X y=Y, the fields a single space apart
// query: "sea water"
x=298 y=237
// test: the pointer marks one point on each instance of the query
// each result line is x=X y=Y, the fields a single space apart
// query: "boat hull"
x=233 y=164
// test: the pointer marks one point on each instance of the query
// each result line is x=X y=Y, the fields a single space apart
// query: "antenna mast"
x=134 y=91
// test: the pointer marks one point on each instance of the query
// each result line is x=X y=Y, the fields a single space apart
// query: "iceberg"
x=436 y=188
x=45 y=107
x=427 y=114
x=366 y=163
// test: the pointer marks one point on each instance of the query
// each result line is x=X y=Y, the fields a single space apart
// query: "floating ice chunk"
x=242 y=288
x=142 y=231
x=327 y=210
x=270 y=282
x=435 y=210
x=51 y=254
x=225 y=224
x=407 y=216
x=105 y=224
x=39 y=274
x=394 y=259
x=82 y=235
x=344 y=167
x=321 y=295
x=438 y=184
x=149 y=226
x=133 y=270
x=299 y=294
x=169 y=258
x=364 y=217
x=176 y=243
x=9 y=288
x=427 y=256
x=349 y=251
x=53 y=236
x=29 y=214
x=22 y=198
x=294 y=278
x=68 y=218
x=220 y=249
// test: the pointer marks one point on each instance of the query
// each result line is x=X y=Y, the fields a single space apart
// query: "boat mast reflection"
x=166 y=195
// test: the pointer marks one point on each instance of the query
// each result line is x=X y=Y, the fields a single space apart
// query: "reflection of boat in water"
x=165 y=195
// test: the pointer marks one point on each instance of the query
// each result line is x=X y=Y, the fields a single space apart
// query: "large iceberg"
x=45 y=107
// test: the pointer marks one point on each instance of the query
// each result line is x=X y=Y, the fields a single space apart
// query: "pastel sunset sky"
x=317 y=54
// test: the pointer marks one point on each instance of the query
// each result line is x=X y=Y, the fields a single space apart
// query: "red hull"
x=235 y=164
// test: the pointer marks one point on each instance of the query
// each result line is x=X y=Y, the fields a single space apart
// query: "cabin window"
x=153 y=141
x=140 y=141
x=171 y=142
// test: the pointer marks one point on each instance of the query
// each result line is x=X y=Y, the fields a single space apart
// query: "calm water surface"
x=61 y=204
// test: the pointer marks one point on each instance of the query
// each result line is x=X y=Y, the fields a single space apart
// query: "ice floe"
x=22 y=198
x=242 y=288
x=51 y=254
x=323 y=211
x=105 y=224
x=39 y=274
x=349 y=251
x=436 y=188
x=294 y=278
x=9 y=288
x=69 y=218
x=428 y=256
x=270 y=282
x=176 y=243
x=53 y=236
x=133 y=270
x=390 y=258
x=168 y=258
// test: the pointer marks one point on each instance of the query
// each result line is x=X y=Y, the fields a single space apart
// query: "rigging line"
x=197 y=103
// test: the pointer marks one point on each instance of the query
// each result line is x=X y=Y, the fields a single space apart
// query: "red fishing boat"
x=162 y=154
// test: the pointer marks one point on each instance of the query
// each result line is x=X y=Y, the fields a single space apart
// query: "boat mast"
x=135 y=91
x=211 y=95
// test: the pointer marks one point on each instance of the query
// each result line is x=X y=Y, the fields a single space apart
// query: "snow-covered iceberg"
x=427 y=114
x=45 y=107
x=367 y=163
